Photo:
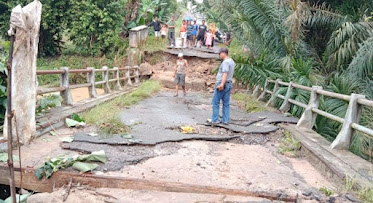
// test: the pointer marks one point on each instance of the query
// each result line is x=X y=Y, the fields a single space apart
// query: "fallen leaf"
x=66 y=139
x=187 y=129
x=126 y=136
x=53 y=133
x=84 y=167
x=73 y=123
x=259 y=124
x=93 y=134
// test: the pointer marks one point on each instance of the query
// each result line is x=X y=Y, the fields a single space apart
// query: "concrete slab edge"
x=331 y=166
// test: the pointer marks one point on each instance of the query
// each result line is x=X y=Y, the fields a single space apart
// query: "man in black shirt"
x=157 y=27
x=201 y=33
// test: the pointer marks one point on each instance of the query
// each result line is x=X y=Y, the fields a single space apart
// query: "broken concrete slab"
x=258 y=128
x=119 y=140
x=119 y=156
x=193 y=53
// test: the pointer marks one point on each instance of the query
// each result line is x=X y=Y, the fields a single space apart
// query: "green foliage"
x=59 y=163
x=289 y=145
x=48 y=102
x=251 y=105
x=327 y=191
x=97 y=25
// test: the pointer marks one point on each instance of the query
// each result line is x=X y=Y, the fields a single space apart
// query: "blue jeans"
x=224 y=96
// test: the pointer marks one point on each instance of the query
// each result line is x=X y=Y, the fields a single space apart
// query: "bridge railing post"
x=353 y=114
x=137 y=78
x=271 y=101
x=256 y=91
x=117 y=86
x=128 y=75
x=91 y=78
x=64 y=82
x=286 y=104
x=262 y=96
x=105 y=76
x=308 y=118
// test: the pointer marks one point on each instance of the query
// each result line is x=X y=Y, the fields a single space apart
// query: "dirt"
x=200 y=77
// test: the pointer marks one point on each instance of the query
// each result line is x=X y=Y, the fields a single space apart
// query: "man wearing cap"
x=223 y=88
x=181 y=69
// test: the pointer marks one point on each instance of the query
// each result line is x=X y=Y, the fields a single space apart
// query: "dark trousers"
x=171 y=38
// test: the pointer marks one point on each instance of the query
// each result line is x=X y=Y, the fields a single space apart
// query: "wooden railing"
x=129 y=73
x=350 y=123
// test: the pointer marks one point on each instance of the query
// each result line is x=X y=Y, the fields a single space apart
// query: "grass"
x=327 y=191
x=365 y=194
x=105 y=116
x=289 y=146
x=151 y=46
x=251 y=105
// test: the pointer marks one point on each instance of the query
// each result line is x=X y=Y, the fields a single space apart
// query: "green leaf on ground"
x=66 y=139
x=73 y=123
x=93 y=134
x=76 y=117
x=95 y=156
x=127 y=136
x=53 y=133
x=4 y=157
x=84 y=167
x=134 y=140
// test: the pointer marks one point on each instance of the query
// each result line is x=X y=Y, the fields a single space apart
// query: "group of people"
x=194 y=35
x=191 y=33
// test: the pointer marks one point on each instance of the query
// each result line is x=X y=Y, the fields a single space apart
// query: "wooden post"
x=64 y=82
x=343 y=140
x=117 y=86
x=309 y=117
x=106 y=79
x=286 y=104
x=137 y=78
x=256 y=91
x=271 y=101
x=128 y=75
x=91 y=78
x=262 y=96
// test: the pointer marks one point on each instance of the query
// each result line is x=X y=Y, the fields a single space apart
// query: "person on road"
x=208 y=40
x=195 y=31
x=156 y=24
x=223 y=88
x=213 y=30
x=171 y=32
x=164 y=32
x=228 y=39
x=181 y=70
x=183 y=35
x=201 y=33
x=189 y=34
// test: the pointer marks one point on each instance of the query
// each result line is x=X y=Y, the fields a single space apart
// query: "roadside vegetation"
x=105 y=115
x=251 y=105
x=326 y=43
x=289 y=145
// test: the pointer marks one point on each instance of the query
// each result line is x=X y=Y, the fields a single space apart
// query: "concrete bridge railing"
x=350 y=123
x=129 y=73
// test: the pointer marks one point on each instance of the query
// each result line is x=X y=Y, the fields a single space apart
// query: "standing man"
x=223 y=88
x=183 y=35
x=195 y=30
x=181 y=70
x=157 y=27
x=171 y=32
x=201 y=33
x=190 y=34
x=228 y=39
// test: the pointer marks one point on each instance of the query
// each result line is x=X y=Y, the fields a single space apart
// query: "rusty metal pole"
x=10 y=117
